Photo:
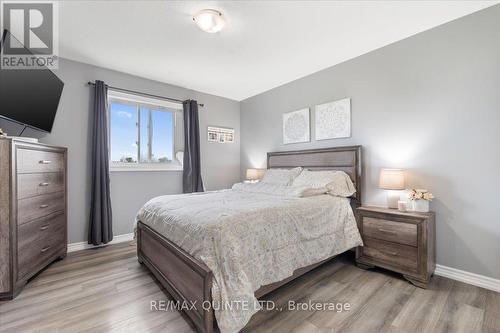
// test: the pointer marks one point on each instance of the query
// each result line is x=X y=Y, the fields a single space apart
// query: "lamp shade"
x=392 y=179
x=254 y=174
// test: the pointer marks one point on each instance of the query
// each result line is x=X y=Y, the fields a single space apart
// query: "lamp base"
x=392 y=199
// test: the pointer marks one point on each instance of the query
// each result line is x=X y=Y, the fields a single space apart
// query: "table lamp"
x=392 y=180
x=254 y=175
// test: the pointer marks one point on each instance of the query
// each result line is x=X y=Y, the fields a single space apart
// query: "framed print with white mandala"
x=296 y=126
x=333 y=120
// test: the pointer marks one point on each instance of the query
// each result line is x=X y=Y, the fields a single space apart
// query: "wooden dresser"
x=32 y=211
x=403 y=242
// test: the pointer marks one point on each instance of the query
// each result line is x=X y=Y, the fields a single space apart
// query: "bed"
x=197 y=273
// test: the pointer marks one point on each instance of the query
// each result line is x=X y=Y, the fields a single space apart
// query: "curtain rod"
x=144 y=94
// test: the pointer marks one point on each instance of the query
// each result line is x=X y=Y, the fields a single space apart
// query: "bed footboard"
x=186 y=279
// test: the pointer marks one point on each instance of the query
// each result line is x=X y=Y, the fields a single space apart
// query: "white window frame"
x=158 y=105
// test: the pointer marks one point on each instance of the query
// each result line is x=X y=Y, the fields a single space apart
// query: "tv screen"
x=29 y=96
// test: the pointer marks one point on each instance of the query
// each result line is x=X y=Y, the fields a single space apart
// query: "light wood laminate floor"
x=106 y=290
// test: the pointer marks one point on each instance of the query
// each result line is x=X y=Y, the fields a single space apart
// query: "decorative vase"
x=420 y=206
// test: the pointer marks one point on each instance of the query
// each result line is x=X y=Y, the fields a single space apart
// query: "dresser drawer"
x=39 y=241
x=41 y=229
x=32 y=161
x=387 y=253
x=42 y=205
x=398 y=232
x=33 y=184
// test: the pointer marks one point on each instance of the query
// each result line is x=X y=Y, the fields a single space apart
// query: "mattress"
x=251 y=236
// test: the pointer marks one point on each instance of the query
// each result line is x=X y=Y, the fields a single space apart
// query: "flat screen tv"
x=29 y=96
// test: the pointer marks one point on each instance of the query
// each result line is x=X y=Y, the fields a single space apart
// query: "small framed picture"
x=220 y=134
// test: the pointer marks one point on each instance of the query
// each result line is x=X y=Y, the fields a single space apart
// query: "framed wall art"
x=296 y=127
x=333 y=120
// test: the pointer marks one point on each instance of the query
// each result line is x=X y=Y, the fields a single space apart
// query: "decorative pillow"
x=334 y=182
x=277 y=189
x=315 y=179
x=310 y=192
x=341 y=186
x=281 y=176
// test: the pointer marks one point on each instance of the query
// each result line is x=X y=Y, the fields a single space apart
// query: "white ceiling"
x=264 y=44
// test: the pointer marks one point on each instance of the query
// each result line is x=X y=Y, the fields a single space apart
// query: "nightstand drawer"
x=397 y=232
x=396 y=255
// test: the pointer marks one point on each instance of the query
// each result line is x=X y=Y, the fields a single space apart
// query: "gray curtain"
x=191 y=177
x=100 y=222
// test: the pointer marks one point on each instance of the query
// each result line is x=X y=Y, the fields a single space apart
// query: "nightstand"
x=403 y=242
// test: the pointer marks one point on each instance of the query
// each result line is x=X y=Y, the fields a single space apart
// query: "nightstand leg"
x=364 y=266
x=416 y=283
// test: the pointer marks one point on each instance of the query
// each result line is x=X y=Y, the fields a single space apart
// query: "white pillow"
x=277 y=189
x=330 y=181
x=315 y=179
x=341 y=185
x=281 y=176
x=310 y=192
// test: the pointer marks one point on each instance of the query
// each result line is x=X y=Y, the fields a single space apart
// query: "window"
x=145 y=133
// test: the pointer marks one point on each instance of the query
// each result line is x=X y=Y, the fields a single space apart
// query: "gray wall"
x=430 y=104
x=130 y=190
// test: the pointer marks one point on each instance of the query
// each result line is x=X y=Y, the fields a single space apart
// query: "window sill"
x=145 y=169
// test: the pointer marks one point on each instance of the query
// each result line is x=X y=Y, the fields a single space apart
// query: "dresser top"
x=20 y=142
x=394 y=211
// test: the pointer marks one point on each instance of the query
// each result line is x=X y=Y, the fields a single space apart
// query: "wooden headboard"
x=347 y=159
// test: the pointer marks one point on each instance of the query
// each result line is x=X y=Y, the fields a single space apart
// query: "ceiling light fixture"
x=209 y=20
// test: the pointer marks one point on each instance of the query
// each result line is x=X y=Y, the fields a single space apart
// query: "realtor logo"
x=31 y=38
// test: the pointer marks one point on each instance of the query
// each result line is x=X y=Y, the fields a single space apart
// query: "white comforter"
x=251 y=236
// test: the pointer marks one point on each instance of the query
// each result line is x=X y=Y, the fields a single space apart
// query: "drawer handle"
x=44 y=206
x=387 y=231
x=391 y=253
x=45 y=249
x=44 y=162
x=43 y=227
x=44 y=184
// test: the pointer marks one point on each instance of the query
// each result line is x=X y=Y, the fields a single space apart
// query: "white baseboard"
x=84 y=245
x=467 y=277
